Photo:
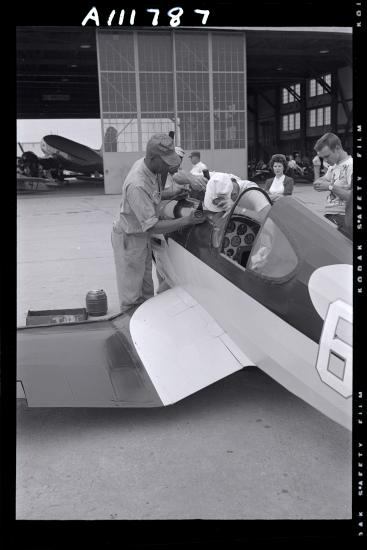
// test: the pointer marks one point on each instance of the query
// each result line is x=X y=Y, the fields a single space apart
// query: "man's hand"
x=226 y=203
x=321 y=185
x=181 y=194
x=175 y=195
x=195 y=217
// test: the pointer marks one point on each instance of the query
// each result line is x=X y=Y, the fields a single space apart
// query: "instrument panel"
x=239 y=237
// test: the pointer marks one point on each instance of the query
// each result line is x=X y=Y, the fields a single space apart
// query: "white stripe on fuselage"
x=273 y=345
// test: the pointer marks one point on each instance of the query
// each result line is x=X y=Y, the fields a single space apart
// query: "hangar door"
x=193 y=83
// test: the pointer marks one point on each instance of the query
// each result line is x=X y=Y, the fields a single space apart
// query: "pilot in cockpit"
x=222 y=191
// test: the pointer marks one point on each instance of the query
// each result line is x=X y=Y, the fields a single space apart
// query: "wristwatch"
x=331 y=187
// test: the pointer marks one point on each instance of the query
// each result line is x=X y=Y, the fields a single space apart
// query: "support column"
x=334 y=102
x=137 y=85
x=277 y=118
x=245 y=105
x=211 y=100
x=100 y=102
x=256 y=127
x=177 y=122
x=303 y=117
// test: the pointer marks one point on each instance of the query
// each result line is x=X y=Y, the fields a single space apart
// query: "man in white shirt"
x=197 y=169
x=338 y=178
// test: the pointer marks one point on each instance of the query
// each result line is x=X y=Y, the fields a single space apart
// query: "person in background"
x=261 y=165
x=320 y=167
x=337 y=180
x=281 y=184
x=198 y=166
x=293 y=168
x=138 y=220
x=297 y=158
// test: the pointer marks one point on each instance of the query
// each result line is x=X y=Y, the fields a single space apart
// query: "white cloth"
x=278 y=185
x=220 y=184
x=197 y=169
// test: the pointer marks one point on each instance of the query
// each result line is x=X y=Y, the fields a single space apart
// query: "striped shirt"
x=141 y=197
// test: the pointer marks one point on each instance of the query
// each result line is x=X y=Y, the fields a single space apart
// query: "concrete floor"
x=242 y=448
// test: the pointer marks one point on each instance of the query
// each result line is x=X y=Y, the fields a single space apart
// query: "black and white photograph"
x=184 y=267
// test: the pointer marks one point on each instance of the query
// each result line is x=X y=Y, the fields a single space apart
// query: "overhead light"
x=85 y=46
x=64 y=80
x=324 y=51
x=279 y=68
x=73 y=66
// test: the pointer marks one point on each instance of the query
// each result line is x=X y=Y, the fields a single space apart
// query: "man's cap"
x=161 y=145
x=180 y=152
x=195 y=154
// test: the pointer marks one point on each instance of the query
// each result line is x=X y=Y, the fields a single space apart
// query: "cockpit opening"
x=244 y=223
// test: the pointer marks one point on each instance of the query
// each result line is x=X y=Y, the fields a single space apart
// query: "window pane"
x=192 y=91
x=285 y=123
x=156 y=92
x=297 y=123
x=118 y=92
x=272 y=255
x=320 y=117
x=229 y=91
x=285 y=95
x=327 y=115
x=191 y=52
x=155 y=123
x=328 y=79
x=194 y=129
x=320 y=89
x=229 y=130
x=121 y=133
x=312 y=87
x=312 y=118
x=228 y=52
x=291 y=122
x=155 y=51
x=116 y=51
x=298 y=89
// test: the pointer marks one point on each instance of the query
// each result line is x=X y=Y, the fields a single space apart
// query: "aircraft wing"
x=181 y=346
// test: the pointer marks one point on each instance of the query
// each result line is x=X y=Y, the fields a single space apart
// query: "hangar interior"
x=237 y=95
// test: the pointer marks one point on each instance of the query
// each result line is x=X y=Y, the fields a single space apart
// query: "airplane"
x=63 y=154
x=266 y=285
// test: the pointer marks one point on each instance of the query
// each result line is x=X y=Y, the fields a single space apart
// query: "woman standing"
x=281 y=184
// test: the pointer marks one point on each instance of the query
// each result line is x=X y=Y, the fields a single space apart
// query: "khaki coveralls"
x=141 y=196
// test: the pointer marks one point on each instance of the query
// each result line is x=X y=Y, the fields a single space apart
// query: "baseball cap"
x=161 y=145
x=195 y=154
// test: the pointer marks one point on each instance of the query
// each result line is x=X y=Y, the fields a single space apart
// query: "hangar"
x=236 y=94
